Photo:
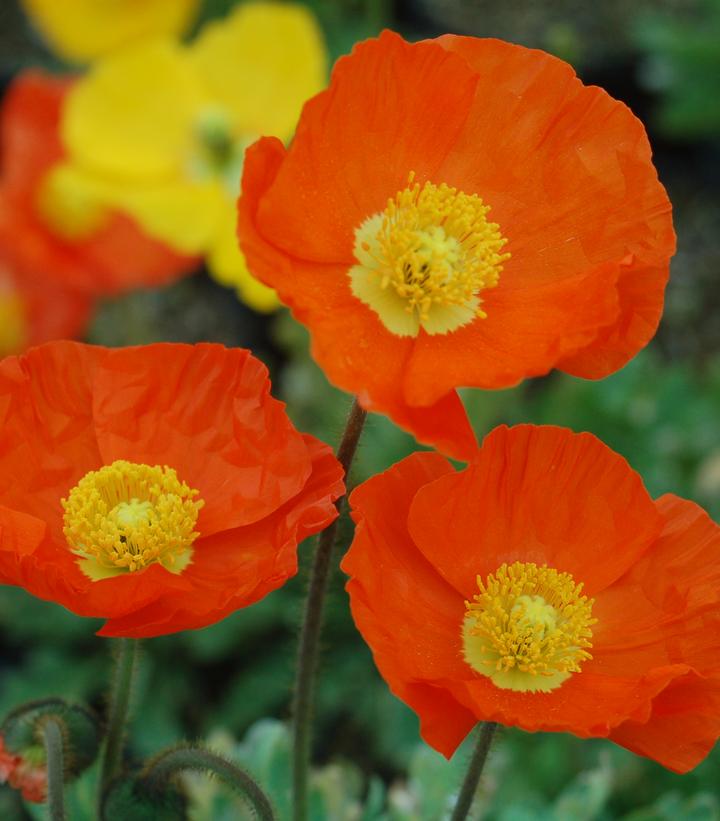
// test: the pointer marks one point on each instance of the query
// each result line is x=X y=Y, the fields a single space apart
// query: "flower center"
x=424 y=260
x=218 y=151
x=528 y=629
x=126 y=516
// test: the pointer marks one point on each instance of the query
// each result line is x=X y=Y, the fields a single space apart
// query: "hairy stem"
x=474 y=771
x=125 y=660
x=53 y=739
x=311 y=627
x=199 y=759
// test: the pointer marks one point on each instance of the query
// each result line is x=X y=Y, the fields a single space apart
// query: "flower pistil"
x=528 y=629
x=424 y=260
x=127 y=516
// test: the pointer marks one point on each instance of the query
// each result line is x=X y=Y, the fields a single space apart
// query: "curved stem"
x=197 y=758
x=474 y=771
x=312 y=625
x=53 y=740
x=126 y=657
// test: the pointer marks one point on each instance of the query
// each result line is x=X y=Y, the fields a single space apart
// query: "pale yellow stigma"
x=126 y=516
x=529 y=627
x=423 y=261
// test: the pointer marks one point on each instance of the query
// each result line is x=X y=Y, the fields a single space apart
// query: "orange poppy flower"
x=543 y=588
x=35 y=309
x=158 y=487
x=459 y=212
x=48 y=226
x=23 y=775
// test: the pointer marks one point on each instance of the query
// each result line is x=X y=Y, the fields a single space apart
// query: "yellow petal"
x=276 y=57
x=183 y=215
x=83 y=30
x=132 y=115
x=226 y=263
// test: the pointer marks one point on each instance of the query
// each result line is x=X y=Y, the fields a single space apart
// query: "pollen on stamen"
x=126 y=516
x=424 y=261
x=529 y=627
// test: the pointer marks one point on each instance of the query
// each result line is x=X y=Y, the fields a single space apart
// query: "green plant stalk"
x=126 y=658
x=474 y=771
x=53 y=739
x=199 y=759
x=308 y=651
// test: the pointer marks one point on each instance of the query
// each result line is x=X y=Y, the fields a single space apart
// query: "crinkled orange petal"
x=47 y=439
x=20 y=535
x=683 y=726
x=229 y=439
x=357 y=142
x=408 y=615
x=641 y=292
x=588 y=704
x=525 y=332
x=536 y=494
x=572 y=185
x=664 y=610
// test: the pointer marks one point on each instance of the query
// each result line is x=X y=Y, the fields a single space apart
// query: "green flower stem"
x=52 y=731
x=312 y=624
x=198 y=758
x=125 y=660
x=474 y=771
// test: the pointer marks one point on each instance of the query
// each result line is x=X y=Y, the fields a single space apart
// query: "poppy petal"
x=683 y=726
x=377 y=106
x=574 y=173
x=407 y=614
x=216 y=439
x=47 y=440
x=572 y=707
x=498 y=510
x=664 y=610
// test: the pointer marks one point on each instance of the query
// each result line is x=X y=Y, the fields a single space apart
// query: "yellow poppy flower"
x=159 y=130
x=83 y=30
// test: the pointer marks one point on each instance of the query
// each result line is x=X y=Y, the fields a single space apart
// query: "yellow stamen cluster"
x=433 y=250
x=126 y=516
x=528 y=628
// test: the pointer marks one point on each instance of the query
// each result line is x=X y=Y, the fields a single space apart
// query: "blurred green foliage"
x=683 y=63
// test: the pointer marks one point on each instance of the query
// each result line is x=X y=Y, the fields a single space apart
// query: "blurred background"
x=662 y=412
